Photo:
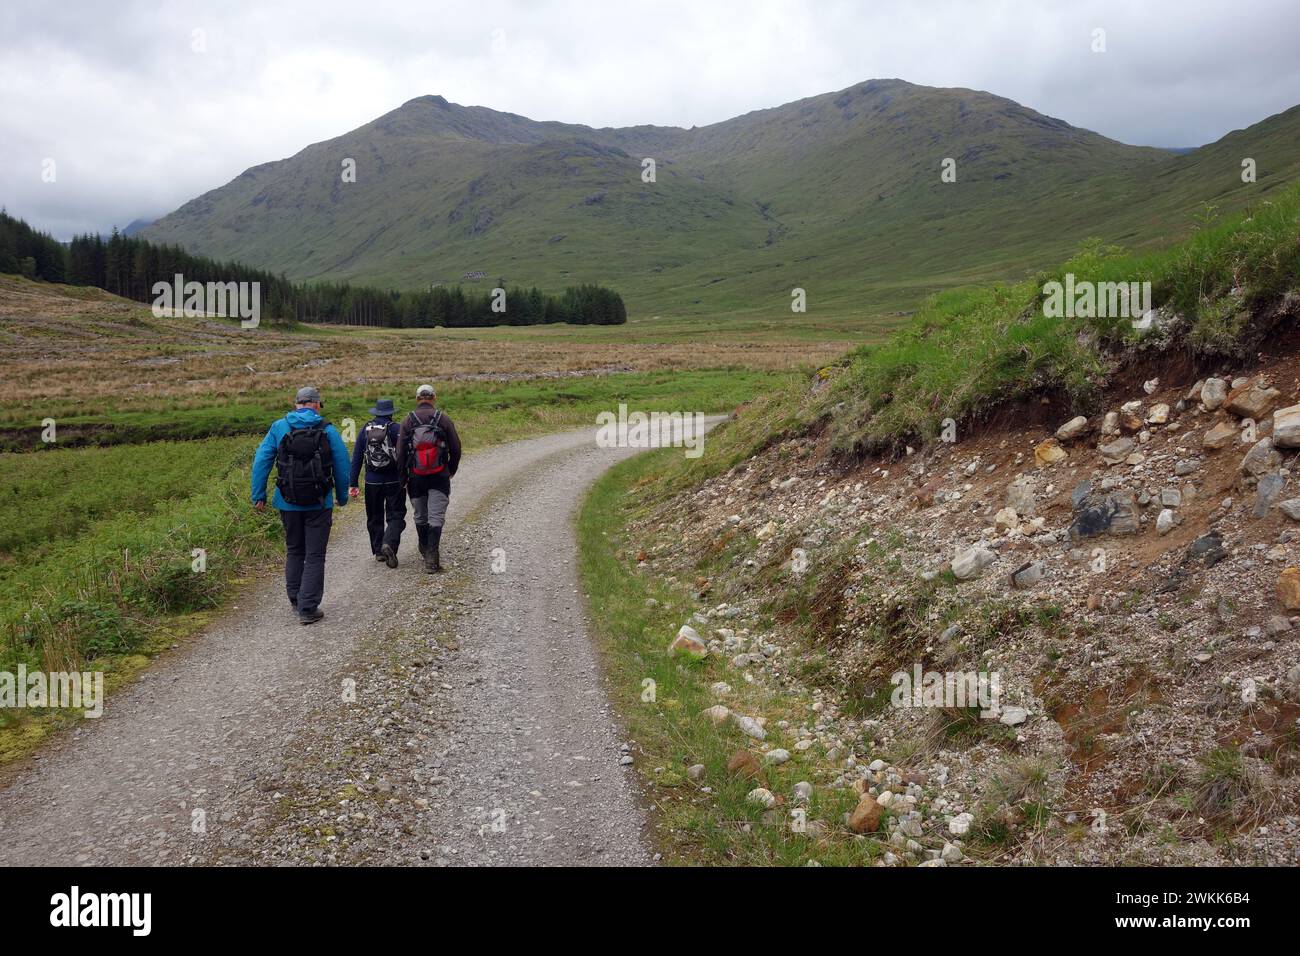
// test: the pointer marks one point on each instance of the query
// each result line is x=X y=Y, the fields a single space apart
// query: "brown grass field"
x=62 y=345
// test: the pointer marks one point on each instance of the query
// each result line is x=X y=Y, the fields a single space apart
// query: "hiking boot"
x=380 y=557
x=310 y=617
x=431 y=560
x=422 y=532
x=388 y=556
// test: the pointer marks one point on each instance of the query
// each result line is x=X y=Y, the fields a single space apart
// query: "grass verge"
x=661 y=699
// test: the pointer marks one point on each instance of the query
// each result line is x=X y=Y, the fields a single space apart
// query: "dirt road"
x=428 y=720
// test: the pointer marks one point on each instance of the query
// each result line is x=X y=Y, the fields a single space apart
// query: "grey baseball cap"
x=307 y=394
x=424 y=391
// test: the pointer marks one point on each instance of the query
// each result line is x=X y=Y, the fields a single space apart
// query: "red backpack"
x=428 y=446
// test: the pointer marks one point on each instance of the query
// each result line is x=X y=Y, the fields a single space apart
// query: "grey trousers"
x=430 y=509
x=306 y=535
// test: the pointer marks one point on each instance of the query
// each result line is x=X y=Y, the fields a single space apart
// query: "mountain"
x=136 y=226
x=839 y=194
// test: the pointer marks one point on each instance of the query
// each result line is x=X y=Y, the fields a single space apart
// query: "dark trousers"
x=385 y=503
x=306 y=535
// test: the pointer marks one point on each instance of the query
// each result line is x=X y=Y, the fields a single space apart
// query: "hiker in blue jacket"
x=376 y=448
x=311 y=464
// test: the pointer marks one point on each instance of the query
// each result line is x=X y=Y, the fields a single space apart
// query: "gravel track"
x=428 y=720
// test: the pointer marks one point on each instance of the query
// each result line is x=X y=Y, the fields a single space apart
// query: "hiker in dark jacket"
x=428 y=456
x=309 y=473
x=376 y=448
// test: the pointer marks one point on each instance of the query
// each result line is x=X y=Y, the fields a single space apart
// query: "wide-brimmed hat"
x=383 y=406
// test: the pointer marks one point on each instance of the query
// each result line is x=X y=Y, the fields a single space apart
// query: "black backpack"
x=304 y=466
x=380 y=453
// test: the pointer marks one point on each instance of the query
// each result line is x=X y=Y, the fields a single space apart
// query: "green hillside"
x=839 y=194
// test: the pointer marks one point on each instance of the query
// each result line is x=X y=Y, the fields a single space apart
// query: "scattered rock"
x=1021 y=494
x=1006 y=520
x=1214 y=393
x=1080 y=494
x=960 y=824
x=688 y=642
x=1049 y=453
x=1288 y=589
x=1277 y=624
x=717 y=714
x=744 y=764
x=695 y=772
x=1028 y=574
x=1114 y=453
x=1208 y=548
x=1267 y=491
x=1220 y=436
x=865 y=817
x=749 y=726
x=1116 y=513
x=1131 y=417
x=763 y=798
x=1013 y=716
x=969 y=563
x=1286 y=427
x=1261 y=459
x=1072 y=429
x=1253 y=400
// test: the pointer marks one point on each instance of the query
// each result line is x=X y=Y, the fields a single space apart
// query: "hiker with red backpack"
x=428 y=455
x=311 y=465
x=376 y=448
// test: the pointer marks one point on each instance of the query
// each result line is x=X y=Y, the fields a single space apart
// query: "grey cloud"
x=138 y=121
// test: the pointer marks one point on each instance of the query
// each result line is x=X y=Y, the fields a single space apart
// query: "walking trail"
x=458 y=718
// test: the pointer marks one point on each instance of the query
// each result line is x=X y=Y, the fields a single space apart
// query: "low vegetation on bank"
x=968 y=352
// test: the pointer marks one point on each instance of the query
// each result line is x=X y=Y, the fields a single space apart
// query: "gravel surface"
x=443 y=719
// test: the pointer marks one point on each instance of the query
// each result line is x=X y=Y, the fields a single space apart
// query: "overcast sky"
x=145 y=105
